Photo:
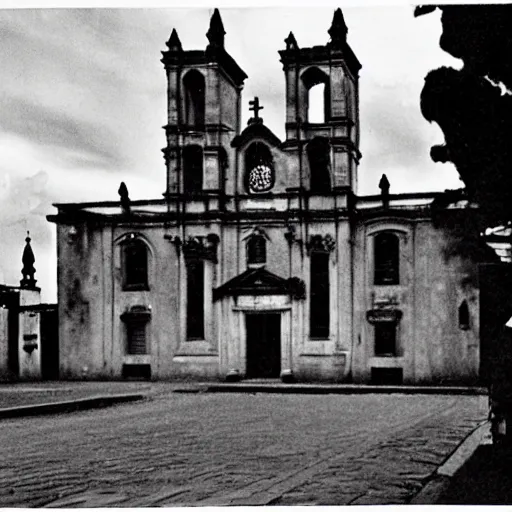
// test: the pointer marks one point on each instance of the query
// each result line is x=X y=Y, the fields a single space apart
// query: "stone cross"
x=255 y=106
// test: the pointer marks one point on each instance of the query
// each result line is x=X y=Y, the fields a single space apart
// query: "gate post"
x=29 y=340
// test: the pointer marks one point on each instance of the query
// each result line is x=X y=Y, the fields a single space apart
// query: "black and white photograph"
x=255 y=255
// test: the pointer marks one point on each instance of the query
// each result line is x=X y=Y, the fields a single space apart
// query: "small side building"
x=29 y=346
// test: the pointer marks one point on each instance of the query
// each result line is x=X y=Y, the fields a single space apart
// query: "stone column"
x=173 y=95
x=211 y=170
x=341 y=167
x=291 y=98
x=212 y=114
x=338 y=92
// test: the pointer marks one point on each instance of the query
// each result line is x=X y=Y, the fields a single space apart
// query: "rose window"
x=260 y=178
x=260 y=175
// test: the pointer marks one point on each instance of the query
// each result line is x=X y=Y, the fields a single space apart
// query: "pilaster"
x=29 y=338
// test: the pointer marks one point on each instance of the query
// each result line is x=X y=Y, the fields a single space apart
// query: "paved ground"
x=29 y=393
x=240 y=449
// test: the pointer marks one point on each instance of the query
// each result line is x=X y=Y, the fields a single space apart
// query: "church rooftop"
x=159 y=207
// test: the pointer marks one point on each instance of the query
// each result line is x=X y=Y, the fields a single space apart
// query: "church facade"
x=260 y=261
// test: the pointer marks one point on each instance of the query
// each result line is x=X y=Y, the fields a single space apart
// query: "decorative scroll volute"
x=197 y=247
x=320 y=243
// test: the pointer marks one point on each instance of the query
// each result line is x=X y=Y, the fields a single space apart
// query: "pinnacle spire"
x=28 y=269
x=174 y=43
x=291 y=42
x=338 y=30
x=216 y=31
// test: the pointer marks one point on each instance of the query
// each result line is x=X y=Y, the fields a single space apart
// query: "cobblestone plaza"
x=235 y=449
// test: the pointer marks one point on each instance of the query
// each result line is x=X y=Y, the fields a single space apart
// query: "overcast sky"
x=83 y=100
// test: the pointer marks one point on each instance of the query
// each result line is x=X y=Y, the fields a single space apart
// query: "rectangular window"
x=319 y=295
x=385 y=339
x=195 y=300
x=192 y=169
x=136 y=333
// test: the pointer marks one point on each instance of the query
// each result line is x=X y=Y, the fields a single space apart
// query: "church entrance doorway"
x=263 y=345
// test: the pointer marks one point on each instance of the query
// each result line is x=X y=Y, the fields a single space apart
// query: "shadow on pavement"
x=485 y=479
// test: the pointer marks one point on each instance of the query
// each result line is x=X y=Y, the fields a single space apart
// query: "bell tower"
x=325 y=143
x=203 y=112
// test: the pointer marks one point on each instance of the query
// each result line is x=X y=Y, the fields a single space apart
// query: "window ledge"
x=255 y=265
x=135 y=288
x=137 y=314
x=137 y=359
x=386 y=361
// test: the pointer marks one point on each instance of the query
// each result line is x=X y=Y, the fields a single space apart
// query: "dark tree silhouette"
x=473 y=106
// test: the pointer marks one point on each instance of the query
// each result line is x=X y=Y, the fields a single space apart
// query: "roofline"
x=93 y=204
x=9 y=288
x=143 y=202
x=405 y=195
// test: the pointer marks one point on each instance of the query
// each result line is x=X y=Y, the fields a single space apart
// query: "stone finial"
x=216 y=31
x=384 y=189
x=384 y=185
x=125 y=199
x=338 y=30
x=28 y=269
x=291 y=42
x=174 y=43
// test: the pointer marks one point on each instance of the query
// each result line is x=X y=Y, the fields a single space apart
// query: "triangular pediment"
x=254 y=281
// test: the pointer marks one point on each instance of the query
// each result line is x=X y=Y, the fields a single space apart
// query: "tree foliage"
x=473 y=105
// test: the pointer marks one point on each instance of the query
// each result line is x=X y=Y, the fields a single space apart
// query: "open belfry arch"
x=260 y=261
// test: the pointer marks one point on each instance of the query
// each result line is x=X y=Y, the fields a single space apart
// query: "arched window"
x=317 y=85
x=464 y=316
x=257 y=250
x=319 y=158
x=194 y=93
x=259 y=168
x=192 y=169
x=386 y=259
x=135 y=264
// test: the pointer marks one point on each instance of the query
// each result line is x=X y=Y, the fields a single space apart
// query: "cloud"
x=83 y=96
x=84 y=82
x=48 y=126
x=397 y=133
x=23 y=207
